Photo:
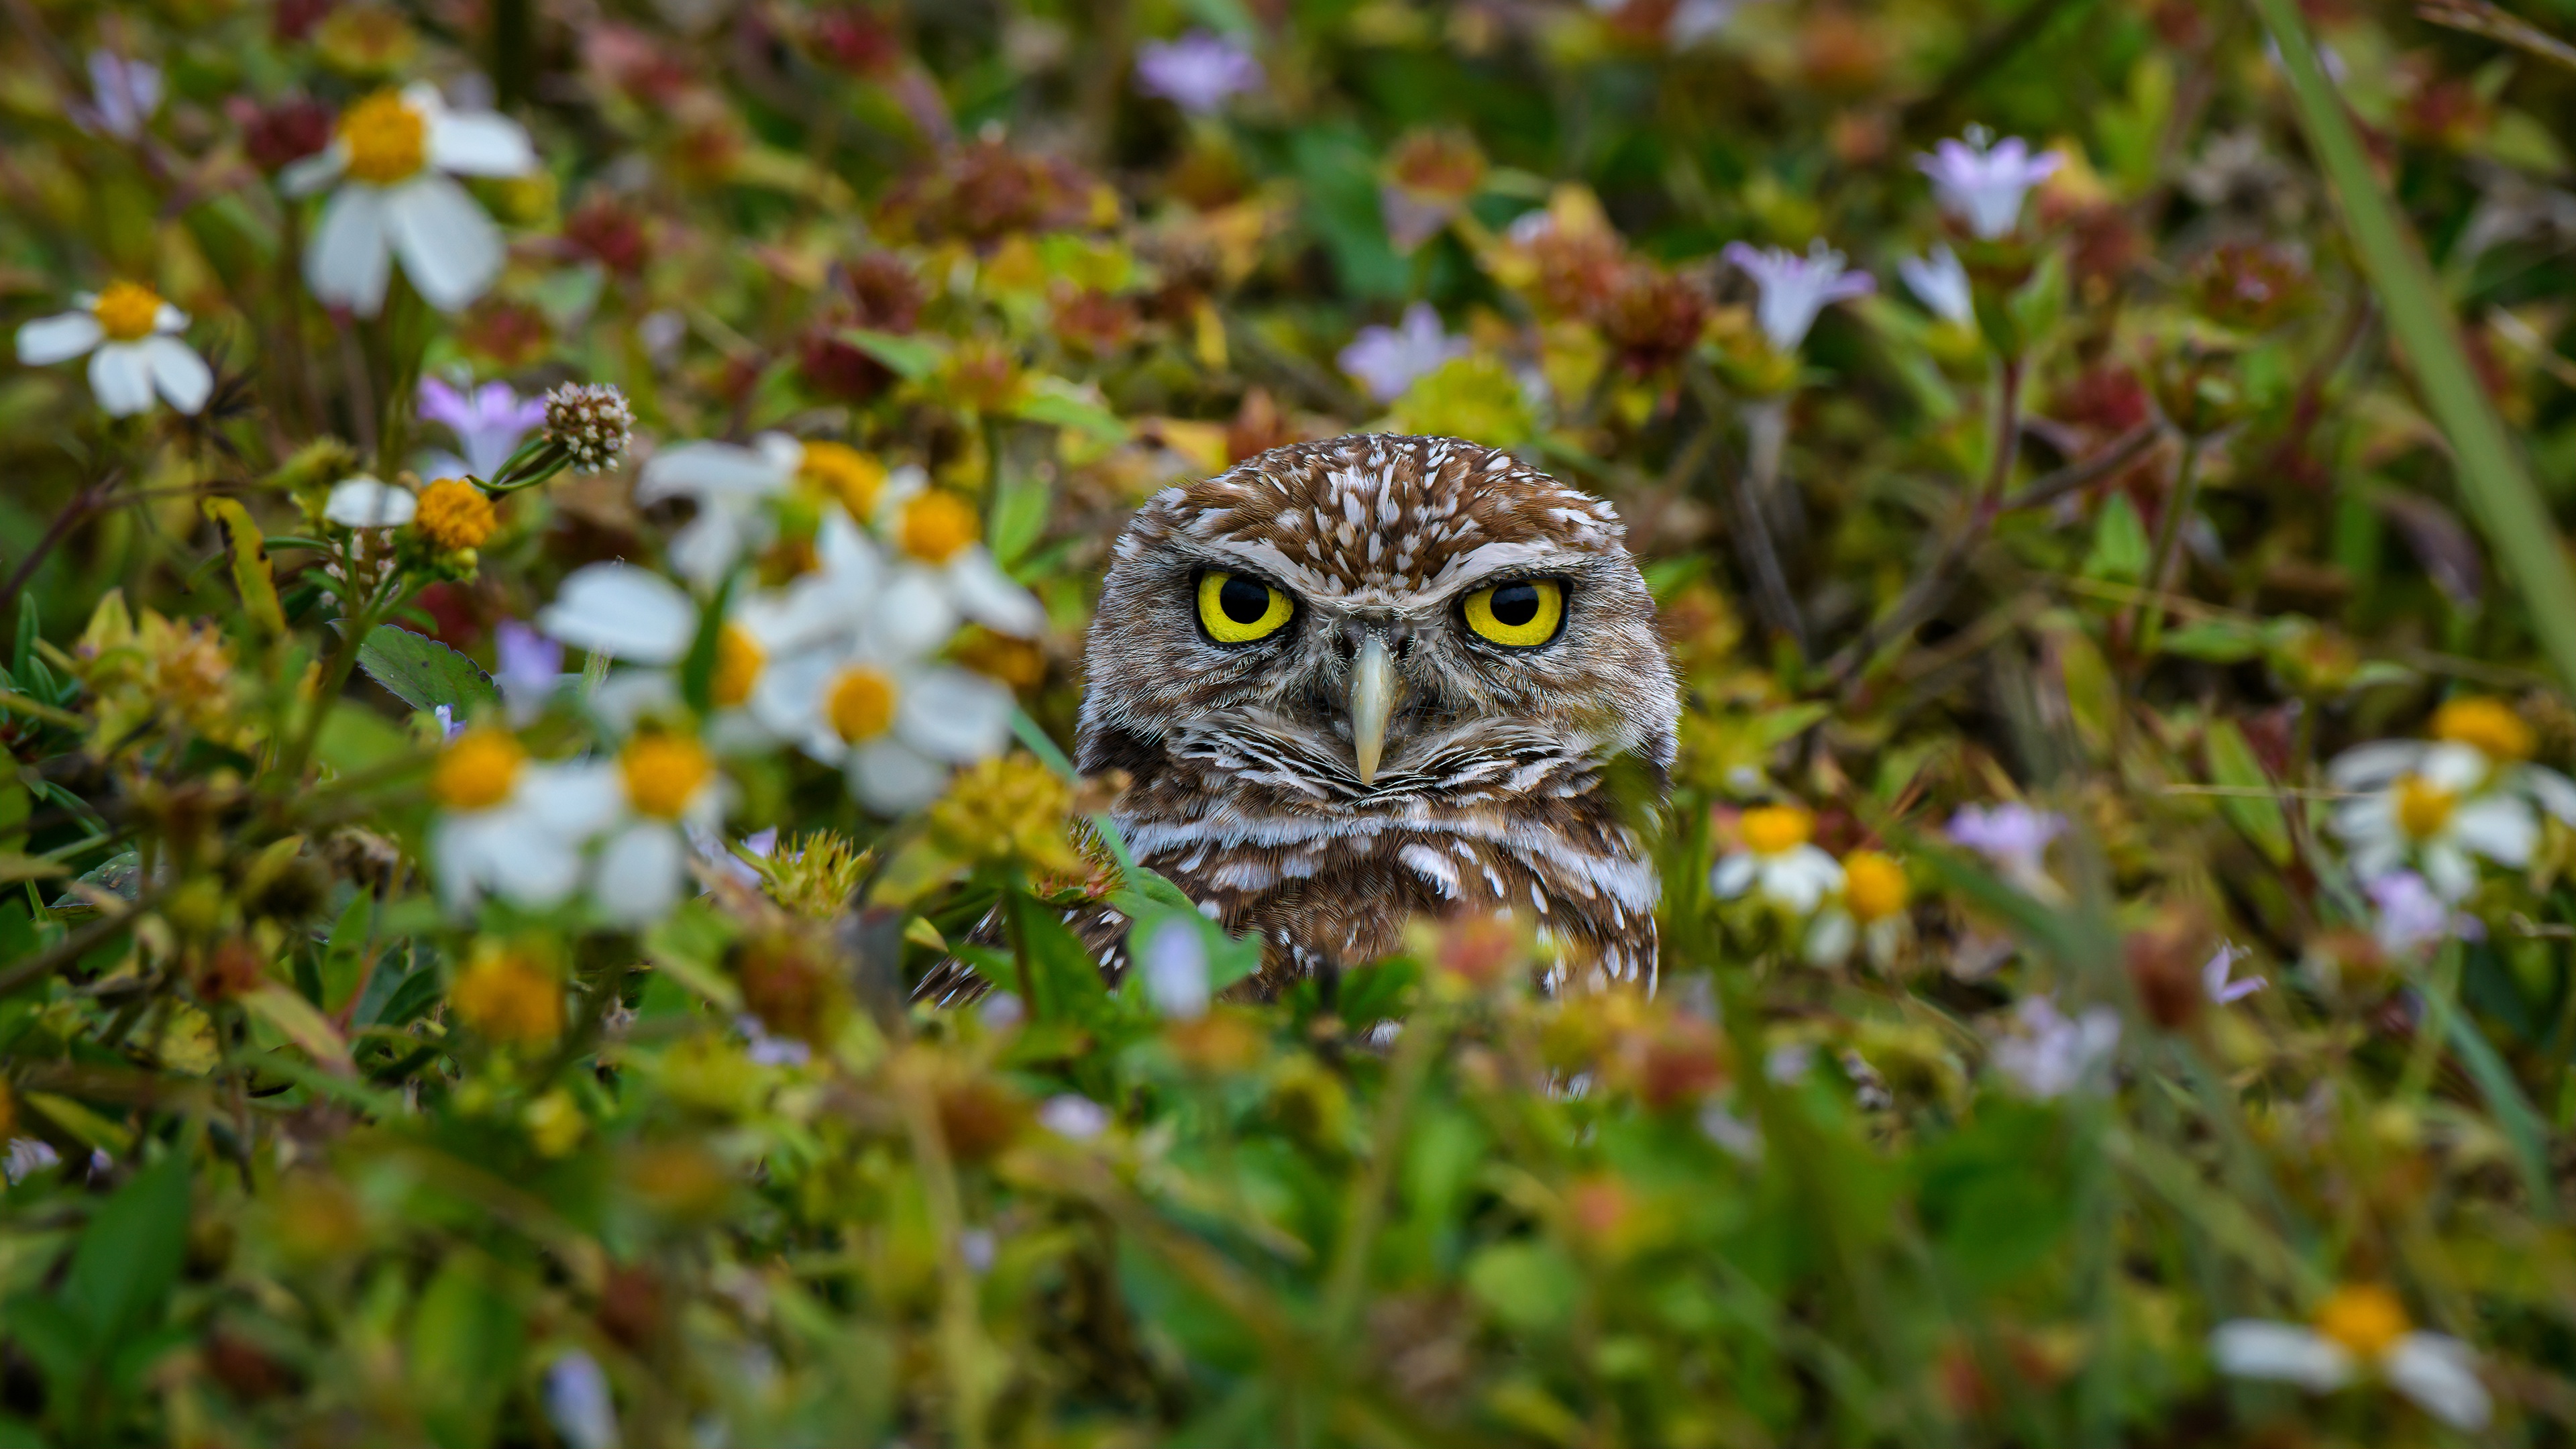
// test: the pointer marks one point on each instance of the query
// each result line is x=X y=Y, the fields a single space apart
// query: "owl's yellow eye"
x=1237 y=610
x=1522 y=614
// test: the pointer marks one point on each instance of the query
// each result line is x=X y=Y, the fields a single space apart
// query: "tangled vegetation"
x=548 y=544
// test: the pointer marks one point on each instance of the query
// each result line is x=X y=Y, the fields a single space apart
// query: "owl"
x=1354 y=682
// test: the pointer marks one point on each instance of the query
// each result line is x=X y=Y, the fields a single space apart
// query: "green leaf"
x=689 y=945
x=465 y=1342
x=423 y=673
x=1019 y=518
x=130 y=1253
x=2257 y=816
x=1531 y=1287
x=355 y=738
x=2220 y=641
x=2120 y=547
x=910 y=358
x=1054 y=400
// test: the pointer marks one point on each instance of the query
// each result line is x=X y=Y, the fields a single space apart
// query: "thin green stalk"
x=2178 y=507
x=2499 y=492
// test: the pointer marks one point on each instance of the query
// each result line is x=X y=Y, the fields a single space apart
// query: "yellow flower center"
x=477 y=771
x=454 y=514
x=739 y=659
x=2488 y=725
x=508 y=996
x=2364 y=1318
x=664 y=773
x=127 y=312
x=846 y=473
x=937 y=526
x=2423 y=807
x=1873 y=886
x=1776 y=829
x=861 y=706
x=386 y=139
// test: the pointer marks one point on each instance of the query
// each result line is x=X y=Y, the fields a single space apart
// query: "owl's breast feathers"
x=1329 y=873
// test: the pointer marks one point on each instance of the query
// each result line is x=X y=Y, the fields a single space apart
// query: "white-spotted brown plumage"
x=1247 y=785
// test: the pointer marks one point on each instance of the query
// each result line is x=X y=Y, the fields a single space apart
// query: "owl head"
x=1376 y=622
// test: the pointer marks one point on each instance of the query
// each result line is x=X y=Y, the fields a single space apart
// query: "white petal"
x=450 y=249
x=2555 y=792
x=1831 y=938
x=2499 y=827
x=2251 y=1348
x=2449 y=871
x=954 y=715
x=59 y=338
x=312 y=173
x=629 y=695
x=787 y=698
x=572 y=801
x=453 y=855
x=120 y=378
x=367 y=503
x=169 y=319
x=480 y=143
x=703 y=551
x=913 y=615
x=640 y=874
x=2438 y=1372
x=696 y=468
x=349 y=262
x=851 y=565
x=531 y=867
x=1801 y=878
x=2367 y=767
x=180 y=374
x=991 y=597
x=890 y=778
x=782 y=450
x=2455 y=767
x=624 y=612
x=1734 y=872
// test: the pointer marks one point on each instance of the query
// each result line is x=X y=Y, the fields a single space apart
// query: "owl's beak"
x=1372 y=700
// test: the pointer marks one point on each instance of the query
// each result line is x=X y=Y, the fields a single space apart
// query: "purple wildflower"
x=1984 y=186
x=2051 y=1054
x=2412 y=916
x=530 y=668
x=488 y=422
x=2214 y=976
x=2012 y=835
x=1196 y=72
x=124 y=93
x=1386 y=360
x=1796 y=288
x=1941 y=284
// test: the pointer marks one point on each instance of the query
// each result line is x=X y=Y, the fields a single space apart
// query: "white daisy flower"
x=1870 y=910
x=129 y=334
x=2360 y=1329
x=1779 y=859
x=892 y=721
x=942 y=571
x=365 y=502
x=638 y=616
x=733 y=487
x=509 y=826
x=666 y=786
x=397 y=154
x=2433 y=806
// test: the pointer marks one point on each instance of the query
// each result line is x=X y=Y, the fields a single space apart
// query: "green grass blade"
x=2499 y=492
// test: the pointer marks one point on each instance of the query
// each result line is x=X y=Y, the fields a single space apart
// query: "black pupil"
x=1515 y=605
x=1244 y=601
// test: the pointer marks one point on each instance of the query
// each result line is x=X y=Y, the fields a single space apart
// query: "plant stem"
x=2160 y=564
